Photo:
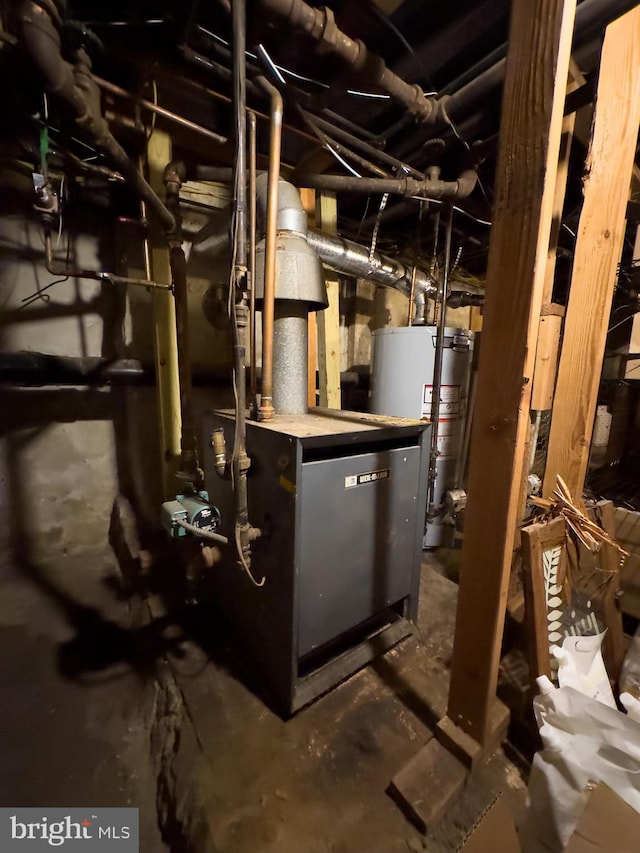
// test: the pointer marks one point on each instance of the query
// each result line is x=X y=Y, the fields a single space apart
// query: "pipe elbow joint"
x=466 y=183
x=175 y=173
x=438 y=114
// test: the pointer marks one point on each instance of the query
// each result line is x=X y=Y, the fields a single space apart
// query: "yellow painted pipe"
x=164 y=324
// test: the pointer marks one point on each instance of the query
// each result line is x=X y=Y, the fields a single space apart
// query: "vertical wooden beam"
x=630 y=368
x=548 y=346
x=531 y=124
x=329 y=319
x=597 y=253
x=164 y=324
x=308 y=198
x=575 y=80
x=550 y=328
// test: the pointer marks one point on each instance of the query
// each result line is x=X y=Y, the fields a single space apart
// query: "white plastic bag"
x=585 y=742
x=581 y=667
x=631 y=705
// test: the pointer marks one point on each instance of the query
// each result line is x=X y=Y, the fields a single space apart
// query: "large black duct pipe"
x=36 y=369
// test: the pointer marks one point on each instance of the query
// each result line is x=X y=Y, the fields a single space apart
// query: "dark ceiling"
x=178 y=55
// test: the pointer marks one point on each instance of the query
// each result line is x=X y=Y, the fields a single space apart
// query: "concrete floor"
x=75 y=715
x=103 y=701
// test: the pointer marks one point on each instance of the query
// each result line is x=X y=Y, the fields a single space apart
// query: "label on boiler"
x=369 y=477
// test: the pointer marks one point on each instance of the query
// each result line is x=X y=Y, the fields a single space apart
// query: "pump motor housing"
x=194 y=509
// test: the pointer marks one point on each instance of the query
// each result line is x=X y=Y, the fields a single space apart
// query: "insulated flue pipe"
x=265 y=411
x=299 y=288
x=290 y=357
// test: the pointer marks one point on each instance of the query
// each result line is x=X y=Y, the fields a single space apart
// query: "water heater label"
x=363 y=479
x=449 y=401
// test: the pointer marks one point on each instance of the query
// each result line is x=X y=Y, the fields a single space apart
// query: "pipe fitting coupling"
x=219 y=446
x=175 y=173
x=266 y=410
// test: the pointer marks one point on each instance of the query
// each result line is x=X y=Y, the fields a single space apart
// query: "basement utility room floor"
x=104 y=702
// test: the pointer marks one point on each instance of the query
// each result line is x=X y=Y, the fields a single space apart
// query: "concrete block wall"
x=66 y=453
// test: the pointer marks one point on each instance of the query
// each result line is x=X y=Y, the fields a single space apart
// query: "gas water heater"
x=402 y=368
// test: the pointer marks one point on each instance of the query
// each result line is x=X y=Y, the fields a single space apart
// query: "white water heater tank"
x=402 y=365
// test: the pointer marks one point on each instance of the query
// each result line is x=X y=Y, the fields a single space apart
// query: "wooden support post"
x=575 y=80
x=597 y=253
x=544 y=372
x=164 y=323
x=550 y=328
x=308 y=198
x=329 y=320
x=532 y=110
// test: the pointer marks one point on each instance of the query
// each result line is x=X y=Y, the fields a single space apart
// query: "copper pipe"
x=225 y=99
x=266 y=411
x=57 y=268
x=161 y=111
x=253 y=382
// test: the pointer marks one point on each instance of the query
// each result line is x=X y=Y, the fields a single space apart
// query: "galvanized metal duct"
x=355 y=260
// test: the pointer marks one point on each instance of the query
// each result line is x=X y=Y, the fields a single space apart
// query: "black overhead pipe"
x=410 y=187
x=428 y=188
x=74 y=85
x=36 y=369
x=364 y=147
x=321 y=25
x=592 y=16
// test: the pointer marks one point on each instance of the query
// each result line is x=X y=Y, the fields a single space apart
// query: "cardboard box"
x=494 y=832
x=607 y=825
